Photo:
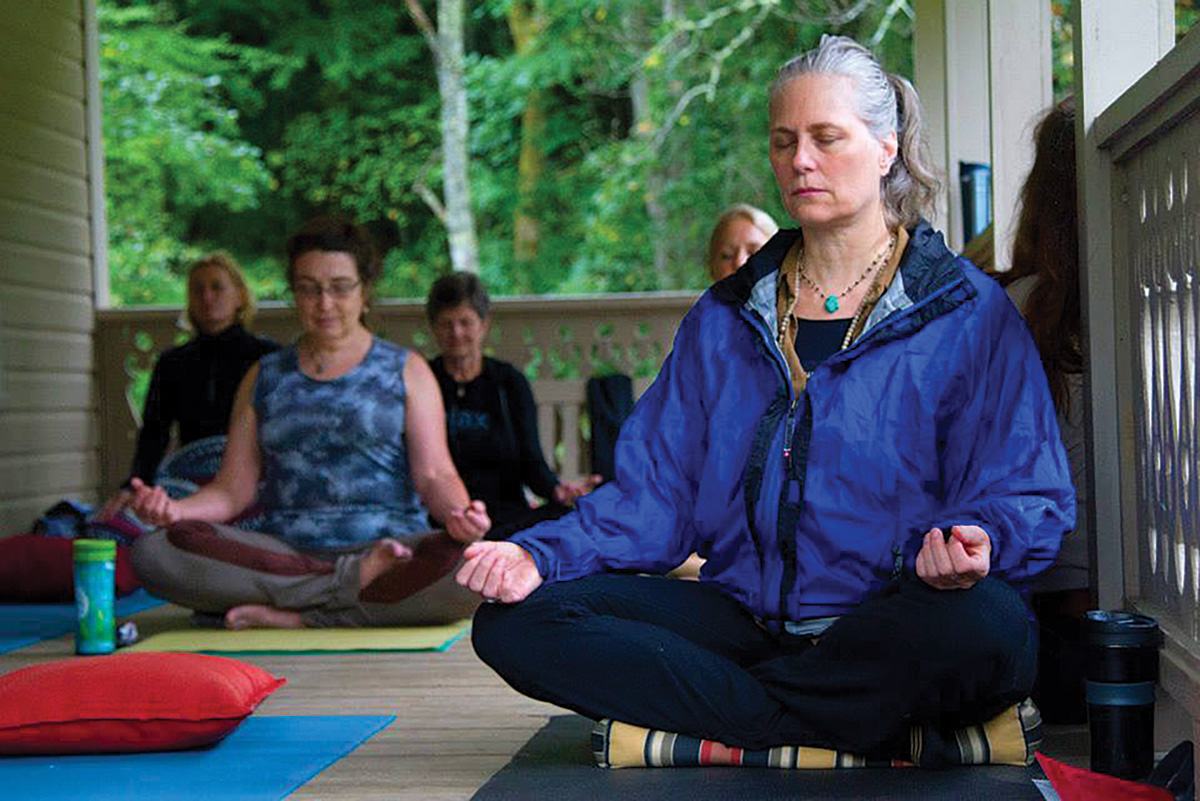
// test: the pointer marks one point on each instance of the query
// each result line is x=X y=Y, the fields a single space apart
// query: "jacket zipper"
x=785 y=542
x=785 y=547
x=788 y=431
x=757 y=325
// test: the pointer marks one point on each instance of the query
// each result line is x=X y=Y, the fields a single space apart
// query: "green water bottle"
x=95 y=591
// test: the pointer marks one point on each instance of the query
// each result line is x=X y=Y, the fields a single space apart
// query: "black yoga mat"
x=557 y=763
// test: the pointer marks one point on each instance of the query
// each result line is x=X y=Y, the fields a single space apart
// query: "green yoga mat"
x=312 y=641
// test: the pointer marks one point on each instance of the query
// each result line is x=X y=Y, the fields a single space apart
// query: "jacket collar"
x=235 y=331
x=927 y=266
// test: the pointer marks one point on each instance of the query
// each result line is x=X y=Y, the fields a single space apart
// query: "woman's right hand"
x=152 y=505
x=470 y=524
x=113 y=506
x=499 y=571
x=568 y=491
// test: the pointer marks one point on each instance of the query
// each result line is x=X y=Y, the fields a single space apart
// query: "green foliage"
x=1186 y=14
x=1062 y=49
x=608 y=167
x=228 y=122
x=172 y=143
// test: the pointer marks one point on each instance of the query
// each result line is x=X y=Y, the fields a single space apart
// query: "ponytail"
x=910 y=188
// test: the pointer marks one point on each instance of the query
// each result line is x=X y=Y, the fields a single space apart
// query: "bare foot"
x=689 y=570
x=383 y=555
x=255 y=616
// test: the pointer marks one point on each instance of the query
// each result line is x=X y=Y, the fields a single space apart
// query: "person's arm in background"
x=158 y=413
x=235 y=485
x=640 y=521
x=535 y=473
x=433 y=472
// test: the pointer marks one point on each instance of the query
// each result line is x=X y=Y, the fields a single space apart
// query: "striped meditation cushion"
x=1010 y=738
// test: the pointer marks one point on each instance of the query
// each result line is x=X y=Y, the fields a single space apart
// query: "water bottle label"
x=94 y=598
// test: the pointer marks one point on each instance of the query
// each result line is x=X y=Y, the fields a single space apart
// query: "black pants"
x=682 y=656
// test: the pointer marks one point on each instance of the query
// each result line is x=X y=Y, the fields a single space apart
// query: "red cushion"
x=127 y=702
x=37 y=569
x=1076 y=784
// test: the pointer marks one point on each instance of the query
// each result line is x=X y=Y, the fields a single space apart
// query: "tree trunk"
x=639 y=92
x=644 y=129
x=525 y=23
x=460 y=221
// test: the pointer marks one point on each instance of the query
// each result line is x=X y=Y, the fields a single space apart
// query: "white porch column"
x=1021 y=89
x=950 y=70
x=983 y=70
x=95 y=156
x=1116 y=42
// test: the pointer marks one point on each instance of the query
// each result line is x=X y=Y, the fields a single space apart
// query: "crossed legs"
x=254 y=579
x=684 y=657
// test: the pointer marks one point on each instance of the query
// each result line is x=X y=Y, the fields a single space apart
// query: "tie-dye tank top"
x=335 y=473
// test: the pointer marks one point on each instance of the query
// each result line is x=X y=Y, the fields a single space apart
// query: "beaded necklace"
x=785 y=320
x=831 y=300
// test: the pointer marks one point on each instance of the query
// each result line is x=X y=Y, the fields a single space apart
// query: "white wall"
x=983 y=69
x=950 y=65
x=48 y=447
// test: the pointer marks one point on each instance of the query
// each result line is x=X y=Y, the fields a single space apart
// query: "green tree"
x=454 y=207
x=636 y=124
x=672 y=129
x=172 y=141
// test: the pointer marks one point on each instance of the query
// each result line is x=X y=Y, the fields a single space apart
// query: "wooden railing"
x=558 y=342
x=1151 y=136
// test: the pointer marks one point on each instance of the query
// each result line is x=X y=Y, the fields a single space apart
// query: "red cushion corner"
x=1076 y=784
x=127 y=702
x=38 y=569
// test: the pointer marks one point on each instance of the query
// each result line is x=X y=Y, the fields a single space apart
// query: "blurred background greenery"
x=605 y=135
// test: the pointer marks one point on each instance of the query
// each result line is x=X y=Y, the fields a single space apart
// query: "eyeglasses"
x=311 y=290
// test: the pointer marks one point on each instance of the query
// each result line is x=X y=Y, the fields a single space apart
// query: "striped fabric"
x=1011 y=738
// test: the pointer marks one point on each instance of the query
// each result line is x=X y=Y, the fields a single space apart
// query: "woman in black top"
x=194 y=384
x=491 y=418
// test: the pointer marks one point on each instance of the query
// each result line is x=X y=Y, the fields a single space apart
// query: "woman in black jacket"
x=491 y=418
x=193 y=384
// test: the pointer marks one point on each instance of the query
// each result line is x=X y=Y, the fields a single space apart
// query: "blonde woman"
x=193 y=385
x=737 y=235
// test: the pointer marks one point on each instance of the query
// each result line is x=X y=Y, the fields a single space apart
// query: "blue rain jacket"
x=938 y=413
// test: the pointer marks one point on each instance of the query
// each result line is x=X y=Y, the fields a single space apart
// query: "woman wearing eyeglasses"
x=338 y=446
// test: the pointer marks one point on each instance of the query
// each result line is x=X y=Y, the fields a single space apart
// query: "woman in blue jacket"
x=854 y=430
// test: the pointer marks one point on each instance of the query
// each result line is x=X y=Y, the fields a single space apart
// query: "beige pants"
x=212 y=568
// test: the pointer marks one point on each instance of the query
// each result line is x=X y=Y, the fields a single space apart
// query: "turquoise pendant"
x=831 y=304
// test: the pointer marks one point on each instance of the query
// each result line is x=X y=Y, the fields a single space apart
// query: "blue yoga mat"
x=266 y=757
x=25 y=624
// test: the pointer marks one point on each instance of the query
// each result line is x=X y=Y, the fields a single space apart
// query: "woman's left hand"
x=469 y=524
x=567 y=491
x=956 y=564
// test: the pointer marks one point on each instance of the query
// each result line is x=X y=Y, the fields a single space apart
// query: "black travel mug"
x=1122 y=669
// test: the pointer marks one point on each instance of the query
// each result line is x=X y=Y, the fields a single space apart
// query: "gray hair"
x=885 y=103
x=453 y=290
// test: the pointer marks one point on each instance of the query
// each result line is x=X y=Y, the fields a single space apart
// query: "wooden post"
x=950 y=60
x=95 y=156
x=1116 y=42
x=1020 y=88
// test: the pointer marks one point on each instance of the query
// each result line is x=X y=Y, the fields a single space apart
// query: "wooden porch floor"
x=456 y=722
